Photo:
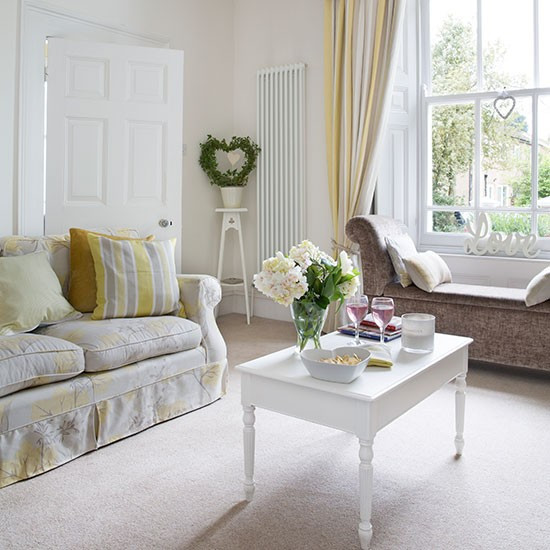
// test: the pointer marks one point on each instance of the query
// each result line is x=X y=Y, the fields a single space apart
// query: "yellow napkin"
x=380 y=356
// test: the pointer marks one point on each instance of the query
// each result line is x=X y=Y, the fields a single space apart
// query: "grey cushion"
x=28 y=360
x=112 y=343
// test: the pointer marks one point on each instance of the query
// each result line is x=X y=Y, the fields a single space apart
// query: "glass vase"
x=308 y=319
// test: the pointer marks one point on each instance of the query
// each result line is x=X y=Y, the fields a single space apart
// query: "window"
x=473 y=158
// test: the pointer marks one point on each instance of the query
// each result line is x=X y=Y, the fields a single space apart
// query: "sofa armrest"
x=200 y=294
x=370 y=233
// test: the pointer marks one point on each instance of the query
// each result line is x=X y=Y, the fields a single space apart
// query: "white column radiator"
x=281 y=164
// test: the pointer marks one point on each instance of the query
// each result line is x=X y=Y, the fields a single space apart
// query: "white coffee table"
x=279 y=382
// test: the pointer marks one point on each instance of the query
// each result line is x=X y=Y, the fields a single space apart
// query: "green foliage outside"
x=511 y=223
x=522 y=186
x=521 y=223
x=446 y=222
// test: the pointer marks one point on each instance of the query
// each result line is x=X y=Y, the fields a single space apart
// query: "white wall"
x=204 y=30
x=269 y=33
x=8 y=70
x=225 y=43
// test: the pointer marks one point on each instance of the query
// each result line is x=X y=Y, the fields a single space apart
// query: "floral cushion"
x=28 y=360
x=112 y=343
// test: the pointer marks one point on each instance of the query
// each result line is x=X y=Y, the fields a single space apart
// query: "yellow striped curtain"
x=361 y=41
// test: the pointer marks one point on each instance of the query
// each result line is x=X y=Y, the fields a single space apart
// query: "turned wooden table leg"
x=460 y=404
x=365 y=491
x=249 y=439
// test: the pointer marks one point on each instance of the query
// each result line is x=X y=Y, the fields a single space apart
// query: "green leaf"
x=328 y=289
x=323 y=302
x=318 y=286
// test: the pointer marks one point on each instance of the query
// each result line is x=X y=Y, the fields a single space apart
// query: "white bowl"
x=344 y=374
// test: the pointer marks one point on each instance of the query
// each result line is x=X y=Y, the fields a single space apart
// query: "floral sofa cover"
x=112 y=378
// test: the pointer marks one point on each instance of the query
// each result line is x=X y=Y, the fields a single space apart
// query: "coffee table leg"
x=248 y=437
x=365 y=491
x=460 y=403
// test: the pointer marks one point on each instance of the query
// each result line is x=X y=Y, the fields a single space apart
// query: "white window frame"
x=453 y=242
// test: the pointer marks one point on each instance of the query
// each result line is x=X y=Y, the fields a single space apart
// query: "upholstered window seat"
x=504 y=329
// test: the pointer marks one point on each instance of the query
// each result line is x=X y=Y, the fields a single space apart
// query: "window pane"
x=510 y=223
x=544 y=151
x=507 y=44
x=544 y=43
x=452 y=155
x=453 y=46
x=544 y=225
x=506 y=155
x=448 y=222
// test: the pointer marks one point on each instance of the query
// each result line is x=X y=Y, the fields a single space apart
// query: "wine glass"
x=357 y=308
x=382 y=313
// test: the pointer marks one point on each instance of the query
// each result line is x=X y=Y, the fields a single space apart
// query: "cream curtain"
x=361 y=42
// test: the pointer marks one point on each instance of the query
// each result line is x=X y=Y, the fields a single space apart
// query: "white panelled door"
x=114 y=137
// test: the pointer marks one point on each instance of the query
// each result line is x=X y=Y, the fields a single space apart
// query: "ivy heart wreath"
x=232 y=177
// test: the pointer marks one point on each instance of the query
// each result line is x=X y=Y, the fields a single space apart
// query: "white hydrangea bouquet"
x=308 y=280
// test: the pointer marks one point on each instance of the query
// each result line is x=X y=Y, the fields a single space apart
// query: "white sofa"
x=70 y=388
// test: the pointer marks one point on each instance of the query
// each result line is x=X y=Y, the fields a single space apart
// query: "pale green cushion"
x=30 y=294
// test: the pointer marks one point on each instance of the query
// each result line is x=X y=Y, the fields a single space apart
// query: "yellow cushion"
x=82 y=288
x=134 y=278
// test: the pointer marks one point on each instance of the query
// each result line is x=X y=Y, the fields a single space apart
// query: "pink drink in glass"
x=357 y=312
x=382 y=313
x=357 y=308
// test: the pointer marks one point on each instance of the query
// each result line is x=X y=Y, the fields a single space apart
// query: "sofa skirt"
x=44 y=427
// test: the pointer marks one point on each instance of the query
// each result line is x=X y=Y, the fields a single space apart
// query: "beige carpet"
x=178 y=485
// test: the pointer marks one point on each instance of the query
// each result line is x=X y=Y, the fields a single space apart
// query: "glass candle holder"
x=418 y=331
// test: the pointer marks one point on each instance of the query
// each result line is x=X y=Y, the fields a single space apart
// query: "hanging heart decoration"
x=504 y=104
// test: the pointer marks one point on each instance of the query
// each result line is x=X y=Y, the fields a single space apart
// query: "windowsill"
x=488 y=257
x=458 y=252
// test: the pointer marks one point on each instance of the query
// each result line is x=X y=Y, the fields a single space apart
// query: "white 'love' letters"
x=483 y=241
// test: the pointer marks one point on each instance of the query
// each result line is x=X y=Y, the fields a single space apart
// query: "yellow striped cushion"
x=134 y=278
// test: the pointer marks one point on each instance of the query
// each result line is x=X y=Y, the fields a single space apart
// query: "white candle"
x=418 y=331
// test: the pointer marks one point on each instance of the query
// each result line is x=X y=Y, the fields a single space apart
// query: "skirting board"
x=233 y=302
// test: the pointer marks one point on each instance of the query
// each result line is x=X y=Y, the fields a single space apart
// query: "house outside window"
x=474 y=159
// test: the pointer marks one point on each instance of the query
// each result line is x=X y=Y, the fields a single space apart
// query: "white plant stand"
x=232 y=220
